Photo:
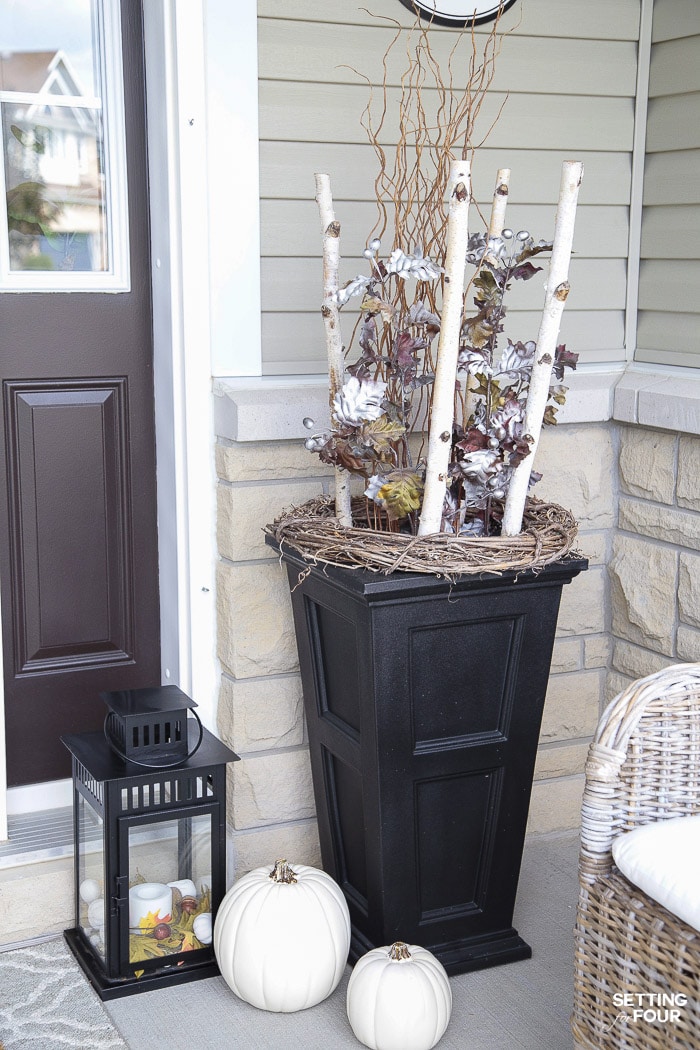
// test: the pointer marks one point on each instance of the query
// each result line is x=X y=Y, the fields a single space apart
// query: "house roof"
x=38 y=72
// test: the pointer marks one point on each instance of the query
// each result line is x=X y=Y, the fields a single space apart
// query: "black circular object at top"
x=458 y=13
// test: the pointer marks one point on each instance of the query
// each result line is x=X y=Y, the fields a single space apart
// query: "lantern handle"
x=150 y=765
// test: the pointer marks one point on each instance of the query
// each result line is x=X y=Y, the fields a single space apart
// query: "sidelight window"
x=63 y=226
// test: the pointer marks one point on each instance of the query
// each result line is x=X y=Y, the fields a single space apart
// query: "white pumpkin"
x=399 y=998
x=281 y=937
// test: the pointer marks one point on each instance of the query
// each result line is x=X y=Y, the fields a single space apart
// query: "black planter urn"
x=424 y=701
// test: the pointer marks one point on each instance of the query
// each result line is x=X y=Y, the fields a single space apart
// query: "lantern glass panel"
x=91 y=902
x=170 y=881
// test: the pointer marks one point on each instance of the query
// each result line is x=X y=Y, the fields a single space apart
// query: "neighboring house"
x=54 y=148
x=233 y=146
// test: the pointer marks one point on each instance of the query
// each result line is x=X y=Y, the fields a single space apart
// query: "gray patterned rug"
x=47 y=1004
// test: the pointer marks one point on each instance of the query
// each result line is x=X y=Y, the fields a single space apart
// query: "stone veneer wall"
x=655 y=565
x=260 y=714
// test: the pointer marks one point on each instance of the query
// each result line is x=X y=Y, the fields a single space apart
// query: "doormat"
x=46 y=1003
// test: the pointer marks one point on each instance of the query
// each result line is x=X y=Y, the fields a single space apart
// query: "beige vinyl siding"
x=569 y=70
x=668 y=327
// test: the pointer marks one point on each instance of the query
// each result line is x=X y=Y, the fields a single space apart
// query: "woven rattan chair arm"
x=622 y=716
x=599 y=809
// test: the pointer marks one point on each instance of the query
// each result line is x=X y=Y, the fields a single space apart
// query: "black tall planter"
x=424 y=702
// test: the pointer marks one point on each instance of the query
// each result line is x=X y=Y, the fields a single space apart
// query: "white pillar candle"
x=149 y=898
x=186 y=887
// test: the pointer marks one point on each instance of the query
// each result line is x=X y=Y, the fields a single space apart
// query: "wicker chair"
x=643 y=766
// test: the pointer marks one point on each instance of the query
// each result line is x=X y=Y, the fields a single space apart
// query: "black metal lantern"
x=149 y=811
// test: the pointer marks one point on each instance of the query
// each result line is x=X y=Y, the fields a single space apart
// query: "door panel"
x=68 y=474
x=78 y=541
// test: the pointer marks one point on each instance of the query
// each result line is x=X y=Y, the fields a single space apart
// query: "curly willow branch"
x=436 y=124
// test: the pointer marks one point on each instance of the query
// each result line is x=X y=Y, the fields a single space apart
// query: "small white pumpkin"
x=281 y=937
x=399 y=998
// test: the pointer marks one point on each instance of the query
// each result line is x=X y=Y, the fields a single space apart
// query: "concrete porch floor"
x=522 y=1006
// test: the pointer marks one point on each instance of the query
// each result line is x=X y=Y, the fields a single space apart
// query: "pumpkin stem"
x=282 y=872
x=399 y=951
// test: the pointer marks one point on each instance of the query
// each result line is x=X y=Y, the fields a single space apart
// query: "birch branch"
x=556 y=293
x=500 y=202
x=330 y=231
x=442 y=414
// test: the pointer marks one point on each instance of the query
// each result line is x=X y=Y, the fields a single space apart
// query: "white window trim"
x=234 y=186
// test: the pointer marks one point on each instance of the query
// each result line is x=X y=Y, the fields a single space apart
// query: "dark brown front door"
x=78 y=551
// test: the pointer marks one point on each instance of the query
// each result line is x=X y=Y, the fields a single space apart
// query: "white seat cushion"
x=663 y=859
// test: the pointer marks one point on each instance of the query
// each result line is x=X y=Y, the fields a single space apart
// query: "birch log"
x=556 y=293
x=442 y=413
x=330 y=231
x=500 y=202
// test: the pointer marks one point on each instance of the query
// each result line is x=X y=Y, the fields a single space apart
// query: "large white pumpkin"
x=399 y=998
x=281 y=937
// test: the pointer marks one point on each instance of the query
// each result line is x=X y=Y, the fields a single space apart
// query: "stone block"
x=577 y=464
x=260 y=847
x=643 y=587
x=687 y=491
x=594 y=546
x=560 y=761
x=254 y=620
x=243 y=511
x=680 y=527
x=572 y=706
x=596 y=651
x=688 y=644
x=271 y=789
x=635 y=662
x=566 y=655
x=583 y=603
x=267 y=461
x=555 y=805
x=689 y=588
x=647 y=463
x=259 y=714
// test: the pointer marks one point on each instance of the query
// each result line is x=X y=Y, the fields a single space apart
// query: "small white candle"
x=186 y=887
x=149 y=898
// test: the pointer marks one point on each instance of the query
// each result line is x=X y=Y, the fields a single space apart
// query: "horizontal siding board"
x=675 y=67
x=331 y=113
x=675 y=18
x=293 y=284
x=672 y=178
x=288 y=51
x=673 y=123
x=298 y=367
x=290 y=337
x=569 y=18
x=671 y=232
x=666 y=284
x=668 y=331
x=677 y=358
x=287 y=172
x=292 y=228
